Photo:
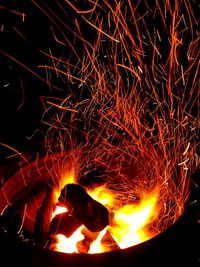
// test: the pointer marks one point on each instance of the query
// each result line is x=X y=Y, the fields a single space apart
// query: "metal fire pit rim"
x=174 y=244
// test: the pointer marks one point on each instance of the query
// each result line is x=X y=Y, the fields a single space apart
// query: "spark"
x=2 y=28
x=101 y=31
x=16 y=151
x=32 y=135
x=27 y=68
x=186 y=150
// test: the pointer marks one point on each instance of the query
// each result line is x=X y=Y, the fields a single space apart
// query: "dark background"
x=23 y=84
x=20 y=106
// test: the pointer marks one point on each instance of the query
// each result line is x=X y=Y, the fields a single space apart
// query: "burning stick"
x=108 y=243
x=65 y=224
x=84 y=245
x=43 y=217
x=92 y=214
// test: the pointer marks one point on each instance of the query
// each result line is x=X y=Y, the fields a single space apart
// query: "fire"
x=128 y=226
x=66 y=178
x=130 y=222
x=103 y=195
x=58 y=210
x=96 y=246
x=69 y=245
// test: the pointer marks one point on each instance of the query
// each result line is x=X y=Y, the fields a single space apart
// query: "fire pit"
x=49 y=208
x=38 y=220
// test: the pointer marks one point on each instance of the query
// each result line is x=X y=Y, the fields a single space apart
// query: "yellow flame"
x=69 y=245
x=96 y=246
x=130 y=221
x=103 y=195
x=58 y=210
x=67 y=178
x=127 y=227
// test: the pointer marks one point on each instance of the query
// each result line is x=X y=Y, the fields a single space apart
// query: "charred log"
x=43 y=217
x=65 y=224
x=108 y=242
x=83 y=246
x=92 y=214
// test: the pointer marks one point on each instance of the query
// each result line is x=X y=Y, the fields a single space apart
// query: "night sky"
x=22 y=81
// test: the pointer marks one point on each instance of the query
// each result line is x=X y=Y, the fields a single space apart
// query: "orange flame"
x=96 y=246
x=128 y=226
x=58 y=210
x=67 y=178
x=131 y=220
x=69 y=245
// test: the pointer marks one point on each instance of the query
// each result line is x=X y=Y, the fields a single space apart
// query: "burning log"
x=108 y=242
x=83 y=246
x=43 y=217
x=65 y=224
x=92 y=214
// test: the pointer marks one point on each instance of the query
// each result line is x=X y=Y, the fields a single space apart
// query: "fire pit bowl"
x=176 y=244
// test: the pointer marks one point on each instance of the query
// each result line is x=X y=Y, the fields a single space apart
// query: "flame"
x=66 y=178
x=103 y=195
x=96 y=246
x=137 y=104
x=69 y=245
x=128 y=226
x=130 y=222
x=58 y=210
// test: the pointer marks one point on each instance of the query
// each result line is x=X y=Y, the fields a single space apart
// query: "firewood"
x=83 y=246
x=108 y=243
x=89 y=236
x=92 y=214
x=43 y=217
x=65 y=224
